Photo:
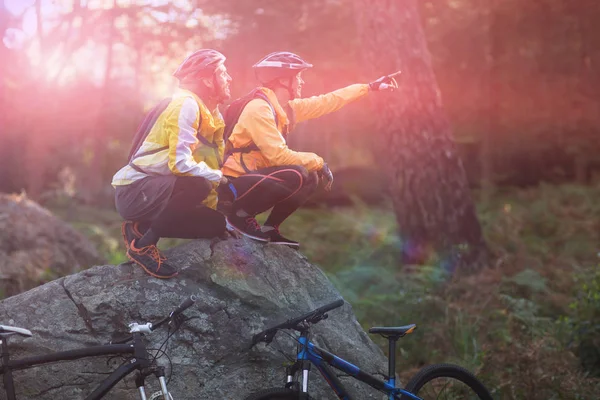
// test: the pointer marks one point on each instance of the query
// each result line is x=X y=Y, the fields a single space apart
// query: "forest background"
x=518 y=87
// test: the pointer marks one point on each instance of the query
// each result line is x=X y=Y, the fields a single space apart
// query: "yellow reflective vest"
x=186 y=140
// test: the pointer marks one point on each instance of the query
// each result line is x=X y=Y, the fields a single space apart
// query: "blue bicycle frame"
x=309 y=353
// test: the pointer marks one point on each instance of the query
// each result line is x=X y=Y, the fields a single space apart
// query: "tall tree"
x=585 y=14
x=431 y=198
x=4 y=17
x=93 y=177
x=491 y=110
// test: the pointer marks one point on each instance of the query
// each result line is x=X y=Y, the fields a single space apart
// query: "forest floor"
x=528 y=324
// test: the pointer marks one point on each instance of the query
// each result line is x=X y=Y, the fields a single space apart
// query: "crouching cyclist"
x=263 y=170
x=167 y=189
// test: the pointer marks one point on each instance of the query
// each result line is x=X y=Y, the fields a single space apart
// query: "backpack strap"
x=260 y=95
x=146 y=153
x=233 y=115
x=206 y=142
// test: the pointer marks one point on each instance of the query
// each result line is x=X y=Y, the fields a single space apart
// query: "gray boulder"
x=242 y=288
x=36 y=247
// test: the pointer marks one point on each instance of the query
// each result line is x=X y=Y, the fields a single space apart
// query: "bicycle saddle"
x=393 y=330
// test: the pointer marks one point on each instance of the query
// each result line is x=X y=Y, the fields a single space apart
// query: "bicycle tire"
x=278 y=394
x=434 y=371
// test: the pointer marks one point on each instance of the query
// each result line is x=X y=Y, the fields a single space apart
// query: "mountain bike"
x=133 y=347
x=446 y=381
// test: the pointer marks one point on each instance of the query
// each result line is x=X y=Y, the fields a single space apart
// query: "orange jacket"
x=257 y=125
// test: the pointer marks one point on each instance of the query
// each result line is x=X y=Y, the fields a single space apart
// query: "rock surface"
x=242 y=288
x=36 y=247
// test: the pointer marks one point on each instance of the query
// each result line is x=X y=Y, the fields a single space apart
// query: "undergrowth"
x=528 y=324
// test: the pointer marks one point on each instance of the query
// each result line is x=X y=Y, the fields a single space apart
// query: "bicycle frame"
x=137 y=349
x=309 y=353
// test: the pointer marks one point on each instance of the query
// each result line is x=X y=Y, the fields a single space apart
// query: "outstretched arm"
x=317 y=106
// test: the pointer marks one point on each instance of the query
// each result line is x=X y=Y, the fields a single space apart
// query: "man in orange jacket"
x=263 y=171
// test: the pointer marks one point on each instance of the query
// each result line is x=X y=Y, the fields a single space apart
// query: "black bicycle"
x=137 y=356
x=435 y=381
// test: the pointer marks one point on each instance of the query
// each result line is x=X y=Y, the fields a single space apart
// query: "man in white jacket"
x=168 y=187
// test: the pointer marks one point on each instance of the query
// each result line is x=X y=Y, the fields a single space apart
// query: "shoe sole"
x=292 y=245
x=232 y=227
x=137 y=233
x=148 y=271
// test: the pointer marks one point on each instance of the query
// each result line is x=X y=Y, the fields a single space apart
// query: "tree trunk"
x=585 y=14
x=93 y=177
x=491 y=88
x=433 y=205
x=36 y=143
x=6 y=136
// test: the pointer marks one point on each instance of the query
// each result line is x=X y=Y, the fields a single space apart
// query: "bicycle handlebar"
x=185 y=304
x=312 y=318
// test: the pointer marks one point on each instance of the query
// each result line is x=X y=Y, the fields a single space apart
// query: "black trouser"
x=284 y=188
x=184 y=216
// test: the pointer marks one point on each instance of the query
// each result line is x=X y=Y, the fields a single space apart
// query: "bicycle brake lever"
x=177 y=320
x=303 y=325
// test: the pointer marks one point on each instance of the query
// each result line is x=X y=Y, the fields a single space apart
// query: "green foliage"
x=530 y=279
x=527 y=313
x=545 y=224
x=500 y=323
x=583 y=324
x=344 y=238
x=378 y=293
x=384 y=295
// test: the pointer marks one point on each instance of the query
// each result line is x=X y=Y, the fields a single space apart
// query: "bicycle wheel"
x=446 y=381
x=278 y=394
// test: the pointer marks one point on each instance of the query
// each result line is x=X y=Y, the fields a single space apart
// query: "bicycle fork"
x=291 y=372
x=302 y=363
x=159 y=372
x=305 y=370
